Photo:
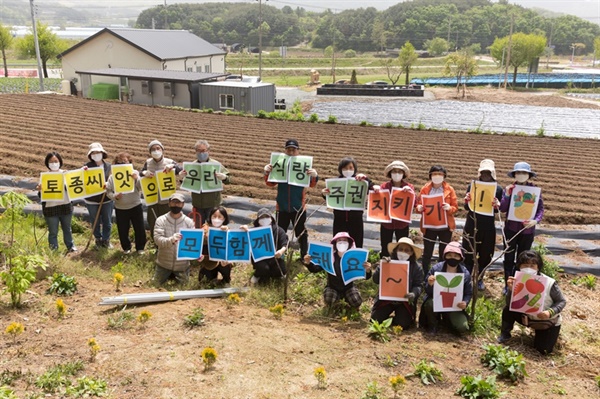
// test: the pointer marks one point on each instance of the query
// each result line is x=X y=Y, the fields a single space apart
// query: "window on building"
x=190 y=69
x=226 y=101
x=207 y=68
x=198 y=68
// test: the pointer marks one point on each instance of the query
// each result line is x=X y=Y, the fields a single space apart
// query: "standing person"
x=272 y=268
x=352 y=220
x=203 y=203
x=397 y=172
x=546 y=323
x=128 y=209
x=291 y=200
x=167 y=237
x=456 y=321
x=56 y=212
x=99 y=204
x=518 y=235
x=438 y=185
x=405 y=313
x=486 y=229
x=335 y=288
x=210 y=269
x=157 y=163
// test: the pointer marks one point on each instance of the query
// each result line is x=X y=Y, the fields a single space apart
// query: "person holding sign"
x=456 y=321
x=486 y=229
x=209 y=269
x=397 y=172
x=405 y=312
x=291 y=199
x=99 y=207
x=58 y=212
x=128 y=205
x=167 y=237
x=336 y=289
x=271 y=268
x=349 y=220
x=547 y=321
x=518 y=235
x=157 y=163
x=205 y=201
x=440 y=216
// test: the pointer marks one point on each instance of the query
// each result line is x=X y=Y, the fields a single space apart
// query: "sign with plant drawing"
x=528 y=293
x=393 y=280
x=523 y=203
x=448 y=291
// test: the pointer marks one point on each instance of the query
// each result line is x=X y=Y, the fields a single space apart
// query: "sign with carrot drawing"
x=378 y=209
x=393 y=280
x=482 y=197
x=401 y=204
x=523 y=203
x=434 y=216
x=448 y=291
x=528 y=293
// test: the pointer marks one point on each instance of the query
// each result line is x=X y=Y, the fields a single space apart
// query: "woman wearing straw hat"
x=404 y=312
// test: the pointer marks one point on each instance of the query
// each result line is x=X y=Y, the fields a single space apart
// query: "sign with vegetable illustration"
x=482 y=197
x=523 y=203
x=528 y=293
x=393 y=280
x=448 y=291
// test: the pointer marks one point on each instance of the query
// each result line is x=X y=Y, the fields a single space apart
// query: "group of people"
x=166 y=219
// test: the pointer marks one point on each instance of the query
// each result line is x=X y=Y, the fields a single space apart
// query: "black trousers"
x=486 y=243
x=213 y=274
x=543 y=341
x=520 y=243
x=387 y=235
x=430 y=237
x=131 y=217
x=269 y=268
x=404 y=313
x=298 y=220
x=352 y=223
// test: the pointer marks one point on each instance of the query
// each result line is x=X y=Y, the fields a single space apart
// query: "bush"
x=314 y=118
x=350 y=53
x=477 y=387
x=551 y=268
x=427 y=372
x=504 y=362
x=61 y=284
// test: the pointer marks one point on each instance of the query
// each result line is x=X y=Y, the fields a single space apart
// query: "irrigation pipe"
x=131 y=299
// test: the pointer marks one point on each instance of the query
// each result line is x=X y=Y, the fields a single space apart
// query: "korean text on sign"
x=322 y=255
x=434 y=216
x=190 y=245
x=262 y=243
x=351 y=264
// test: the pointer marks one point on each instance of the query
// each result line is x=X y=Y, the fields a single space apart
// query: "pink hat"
x=453 y=247
x=342 y=234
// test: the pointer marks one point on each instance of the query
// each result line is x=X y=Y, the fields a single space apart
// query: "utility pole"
x=573 y=53
x=512 y=22
x=166 y=22
x=260 y=23
x=37 y=47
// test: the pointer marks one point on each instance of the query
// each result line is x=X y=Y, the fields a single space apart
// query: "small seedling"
x=121 y=321
x=61 y=284
x=85 y=387
x=321 y=376
x=195 y=319
x=588 y=281
x=504 y=362
x=372 y=392
x=380 y=331
x=117 y=280
x=597 y=379
x=209 y=357
x=277 y=311
x=397 y=383
x=7 y=393
x=143 y=317
x=477 y=387
x=14 y=329
x=427 y=372
x=61 y=308
x=94 y=348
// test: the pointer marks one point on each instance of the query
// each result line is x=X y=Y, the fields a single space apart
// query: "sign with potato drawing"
x=528 y=293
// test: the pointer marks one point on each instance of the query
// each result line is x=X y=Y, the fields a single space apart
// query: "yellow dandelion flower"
x=15 y=329
x=144 y=316
x=321 y=376
x=61 y=308
x=277 y=310
x=234 y=299
x=397 y=330
x=397 y=382
x=209 y=357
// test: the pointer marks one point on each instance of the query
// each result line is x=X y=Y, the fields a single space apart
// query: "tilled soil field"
x=32 y=125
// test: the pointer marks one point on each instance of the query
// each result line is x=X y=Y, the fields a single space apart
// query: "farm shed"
x=238 y=96
x=174 y=50
x=152 y=87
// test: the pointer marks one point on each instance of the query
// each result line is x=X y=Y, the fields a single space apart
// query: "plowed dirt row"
x=31 y=125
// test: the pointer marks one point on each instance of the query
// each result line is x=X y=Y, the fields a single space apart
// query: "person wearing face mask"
x=203 y=203
x=128 y=209
x=405 y=313
x=167 y=236
x=58 y=212
x=518 y=235
x=210 y=269
x=349 y=221
x=546 y=323
x=437 y=185
x=397 y=172
x=272 y=268
x=99 y=206
x=456 y=321
x=335 y=288
x=486 y=229
x=157 y=163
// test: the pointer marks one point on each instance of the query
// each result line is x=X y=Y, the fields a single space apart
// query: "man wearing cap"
x=157 y=163
x=518 y=235
x=167 y=237
x=482 y=244
x=291 y=200
x=100 y=206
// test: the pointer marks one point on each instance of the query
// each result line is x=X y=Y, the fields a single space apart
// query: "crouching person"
x=404 y=312
x=335 y=288
x=167 y=237
x=456 y=321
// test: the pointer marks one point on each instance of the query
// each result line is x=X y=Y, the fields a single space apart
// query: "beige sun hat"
x=405 y=240
x=488 y=164
x=396 y=165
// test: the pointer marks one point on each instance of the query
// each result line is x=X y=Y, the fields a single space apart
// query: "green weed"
x=7 y=377
x=504 y=362
x=588 y=281
x=478 y=388
x=7 y=393
x=61 y=284
x=195 y=319
x=58 y=377
x=551 y=267
x=121 y=321
x=541 y=132
x=372 y=392
x=428 y=373
x=365 y=123
x=488 y=316
x=86 y=386
x=331 y=119
x=313 y=118
x=380 y=331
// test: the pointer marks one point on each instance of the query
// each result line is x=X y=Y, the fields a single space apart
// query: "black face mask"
x=175 y=209
x=452 y=262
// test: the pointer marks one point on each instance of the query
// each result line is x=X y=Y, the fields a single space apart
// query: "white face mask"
x=437 y=179
x=402 y=255
x=347 y=173
x=397 y=177
x=156 y=154
x=342 y=246
x=264 y=221
x=54 y=166
x=216 y=222
x=529 y=270
x=96 y=157
x=521 y=177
